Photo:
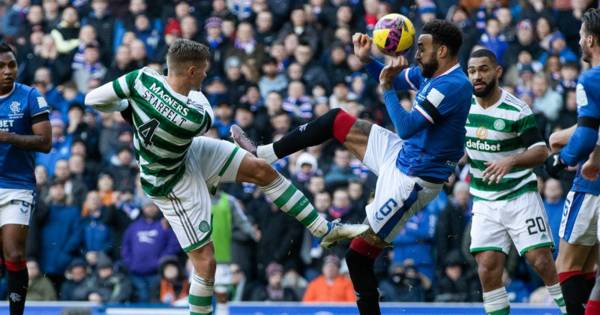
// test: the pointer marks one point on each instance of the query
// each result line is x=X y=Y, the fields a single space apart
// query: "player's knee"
x=489 y=268
x=541 y=262
x=262 y=172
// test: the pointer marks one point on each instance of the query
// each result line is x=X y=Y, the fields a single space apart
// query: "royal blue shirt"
x=18 y=111
x=434 y=131
x=584 y=139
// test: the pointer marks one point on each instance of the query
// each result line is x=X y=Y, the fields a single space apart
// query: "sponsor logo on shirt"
x=483 y=146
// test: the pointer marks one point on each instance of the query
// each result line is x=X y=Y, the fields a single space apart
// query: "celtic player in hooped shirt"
x=502 y=145
x=178 y=167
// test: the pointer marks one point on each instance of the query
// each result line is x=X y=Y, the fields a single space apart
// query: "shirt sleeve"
x=112 y=96
x=37 y=104
x=526 y=128
x=438 y=102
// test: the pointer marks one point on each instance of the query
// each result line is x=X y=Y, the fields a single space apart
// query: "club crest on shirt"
x=15 y=110
x=481 y=133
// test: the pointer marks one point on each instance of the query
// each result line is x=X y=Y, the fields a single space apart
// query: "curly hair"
x=444 y=33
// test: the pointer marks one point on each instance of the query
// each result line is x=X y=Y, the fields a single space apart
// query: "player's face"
x=585 y=42
x=483 y=74
x=198 y=74
x=426 y=55
x=8 y=71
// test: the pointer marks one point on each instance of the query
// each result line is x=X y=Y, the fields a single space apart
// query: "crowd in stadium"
x=275 y=64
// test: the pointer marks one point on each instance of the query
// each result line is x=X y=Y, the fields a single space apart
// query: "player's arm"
x=559 y=139
x=111 y=96
x=409 y=78
x=40 y=141
x=406 y=123
x=584 y=138
x=535 y=154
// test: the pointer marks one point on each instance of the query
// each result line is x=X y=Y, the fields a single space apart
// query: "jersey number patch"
x=147 y=131
x=535 y=225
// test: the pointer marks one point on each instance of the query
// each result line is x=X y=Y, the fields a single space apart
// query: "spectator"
x=74 y=188
x=558 y=46
x=60 y=235
x=146 y=240
x=235 y=82
x=106 y=190
x=97 y=235
x=272 y=79
x=455 y=285
x=525 y=42
x=274 y=290
x=493 y=40
x=66 y=33
x=298 y=25
x=60 y=146
x=74 y=288
x=122 y=64
x=340 y=172
x=264 y=28
x=223 y=118
x=546 y=99
x=330 y=286
x=123 y=168
x=174 y=286
x=452 y=224
x=101 y=19
x=313 y=73
x=405 y=284
x=40 y=288
x=106 y=285
x=90 y=68
x=241 y=288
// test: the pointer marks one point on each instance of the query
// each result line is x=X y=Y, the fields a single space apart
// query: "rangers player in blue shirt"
x=411 y=164
x=579 y=225
x=24 y=129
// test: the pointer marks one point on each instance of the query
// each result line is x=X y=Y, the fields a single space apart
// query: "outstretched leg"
x=293 y=202
x=336 y=124
x=14 y=237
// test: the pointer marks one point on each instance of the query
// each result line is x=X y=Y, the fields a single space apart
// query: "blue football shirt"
x=17 y=111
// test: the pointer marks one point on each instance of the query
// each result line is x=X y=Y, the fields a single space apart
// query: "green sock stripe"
x=200 y=300
x=285 y=197
x=504 y=311
x=560 y=302
x=196 y=313
x=299 y=206
x=310 y=218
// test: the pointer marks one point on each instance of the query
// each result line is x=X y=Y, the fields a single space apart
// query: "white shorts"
x=579 y=223
x=522 y=221
x=188 y=207
x=397 y=195
x=15 y=206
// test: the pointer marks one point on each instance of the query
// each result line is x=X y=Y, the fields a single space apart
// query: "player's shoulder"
x=454 y=81
x=24 y=89
x=590 y=80
x=512 y=103
x=198 y=97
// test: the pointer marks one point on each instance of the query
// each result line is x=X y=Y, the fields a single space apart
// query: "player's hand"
x=362 y=47
x=590 y=169
x=390 y=71
x=554 y=165
x=4 y=136
x=495 y=171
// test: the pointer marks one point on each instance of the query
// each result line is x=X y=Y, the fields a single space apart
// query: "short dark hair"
x=484 y=52
x=185 y=50
x=591 y=22
x=444 y=33
x=5 y=47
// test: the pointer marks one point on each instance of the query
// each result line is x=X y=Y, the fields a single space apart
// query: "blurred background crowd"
x=275 y=64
